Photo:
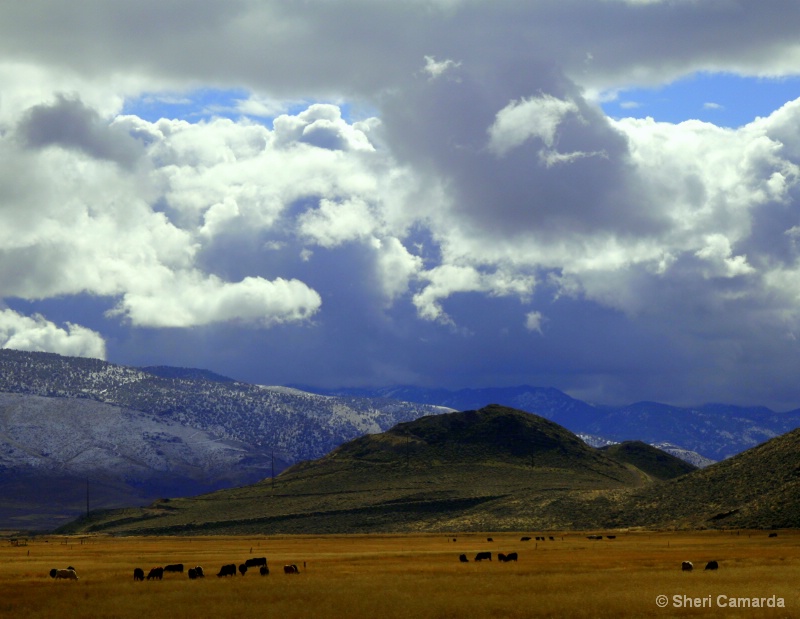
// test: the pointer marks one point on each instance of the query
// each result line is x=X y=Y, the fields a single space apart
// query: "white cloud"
x=534 y=321
x=334 y=223
x=36 y=333
x=436 y=68
x=190 y=300
x=536 y=117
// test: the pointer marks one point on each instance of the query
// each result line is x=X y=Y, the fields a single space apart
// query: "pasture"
x=408 y=575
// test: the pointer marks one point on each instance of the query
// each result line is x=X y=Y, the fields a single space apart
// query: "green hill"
x=495 y=468
x=658 y=464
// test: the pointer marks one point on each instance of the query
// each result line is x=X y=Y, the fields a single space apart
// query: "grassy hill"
x=496 y=468
x=759 y=488
x=656 y=463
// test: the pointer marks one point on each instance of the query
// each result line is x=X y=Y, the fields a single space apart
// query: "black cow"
x=192 y=573
x=242 y=569
x=175 y=567
x=263 y=570
x=552 y=539
x=463 y=558
x=712 y=565
x=157 y=573
x=525 y=539
x=256 y=561
x=290 y=569
x=483 y=555
x=138 y=574
x=229 y=569
x=687 y=566
x=198 y=570
x=489 y=539
x=773 y=535
x=511 y=556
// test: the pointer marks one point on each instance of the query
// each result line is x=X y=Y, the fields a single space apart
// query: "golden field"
x=408 y=576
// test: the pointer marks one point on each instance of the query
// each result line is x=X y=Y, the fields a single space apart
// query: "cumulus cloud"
x=35 y=333
x=451 y=173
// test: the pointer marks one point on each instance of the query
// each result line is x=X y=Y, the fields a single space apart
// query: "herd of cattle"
x=157 y=573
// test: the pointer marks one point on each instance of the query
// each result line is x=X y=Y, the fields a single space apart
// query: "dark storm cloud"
x=70 y=124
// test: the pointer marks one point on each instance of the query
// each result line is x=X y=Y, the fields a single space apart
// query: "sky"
x=600 y=196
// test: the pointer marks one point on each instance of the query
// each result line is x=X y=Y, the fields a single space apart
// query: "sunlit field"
x=415 y=576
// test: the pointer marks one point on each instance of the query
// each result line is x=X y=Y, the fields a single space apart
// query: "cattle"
x=773 y=535
x=463 y=558
x=489 y=539
x=157 y=573
x=198 y=570
x=525 y=539
x=483 y=555
x=552 y=539
x=175 y=567
x=256 y=561
x=511 y=556
x=290 y=569
x=687 y=566
x=66 y=574
x=263 y=570
x=192 y=573
x=611 y=537
x=138 y=574
x=501 y=557
x=712 y=565
x=229 y=569
x=242 y=569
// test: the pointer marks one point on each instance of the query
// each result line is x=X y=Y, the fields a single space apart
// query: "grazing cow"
x=263 y=570
x=192 y=573
x=138 y=574
x=256 y=561
x=242 y=569
x=175 y=567
x=712 y=565
x=290 y=569
x=687 y=566
x=67 y=574
x=489 y=539
x=511 y=556
x=483 y=555
x=552 y=539
x=525 y=539
x=463 y=558
x=611 y=537
x=773 y=535
x=198 y=570
x=229 y=569
x=501 y=557
x=157 y=573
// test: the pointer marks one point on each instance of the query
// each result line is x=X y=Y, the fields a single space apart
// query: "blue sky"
x=425 y=192
x=723 y=99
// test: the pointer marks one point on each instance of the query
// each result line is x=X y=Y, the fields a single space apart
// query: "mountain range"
x=79 y=434
x=492 y=469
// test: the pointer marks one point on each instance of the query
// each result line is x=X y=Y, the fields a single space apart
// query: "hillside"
x=496 y=468
x=759 y=488
x=714 y=431
x=137 y=435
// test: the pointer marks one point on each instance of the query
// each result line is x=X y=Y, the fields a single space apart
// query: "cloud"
x=68 y=123
x=451 y=189
x=537 y=117
x=35 y=333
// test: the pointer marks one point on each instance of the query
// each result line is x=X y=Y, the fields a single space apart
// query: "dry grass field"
x=408 y=576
